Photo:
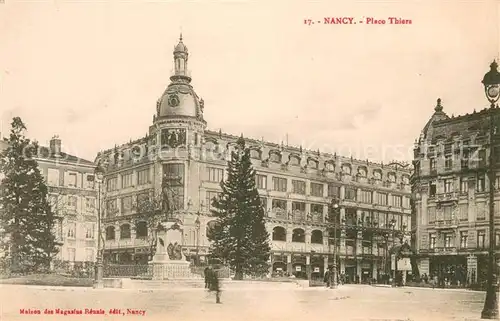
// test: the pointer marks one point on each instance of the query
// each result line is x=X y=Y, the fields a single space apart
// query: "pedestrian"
x=326 y=279
x=206 y=274
x=215 y=284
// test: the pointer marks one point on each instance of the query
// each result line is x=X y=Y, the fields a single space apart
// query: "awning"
x=402 y=250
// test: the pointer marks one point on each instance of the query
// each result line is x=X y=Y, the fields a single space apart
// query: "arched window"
x=377 y=174
x=125 y=231
x=274 y=157
x=141 y=229
x=255 y=153
x=330 y=166
x=110 y=233
x=362 y=171
x=211 y=225
x=294 y=160
x=346 y=169
x=392 y=177
x=312 y=163
x=317 y=237
x=298 y=235
x=279 y=234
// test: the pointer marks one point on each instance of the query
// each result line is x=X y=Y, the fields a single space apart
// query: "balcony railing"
x=445 y=224
x=443 y=250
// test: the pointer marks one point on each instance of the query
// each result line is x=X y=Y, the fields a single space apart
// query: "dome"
x=181 y=47
x=179 y=100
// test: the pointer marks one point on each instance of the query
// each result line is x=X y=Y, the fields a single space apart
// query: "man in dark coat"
x=215 y=284
x=327 y=278
x=207 y=274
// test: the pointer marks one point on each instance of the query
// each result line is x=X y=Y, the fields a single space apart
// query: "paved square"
x=248 y=301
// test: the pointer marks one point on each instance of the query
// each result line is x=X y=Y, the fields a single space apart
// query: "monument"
x=169 y=262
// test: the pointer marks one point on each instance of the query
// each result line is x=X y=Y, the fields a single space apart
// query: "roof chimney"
x=55 y=146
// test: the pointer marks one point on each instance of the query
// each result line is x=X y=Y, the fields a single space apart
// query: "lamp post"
x=392 y=224
x=197 y=227
x=491 y=82
x=334 y=209
x=99 y=284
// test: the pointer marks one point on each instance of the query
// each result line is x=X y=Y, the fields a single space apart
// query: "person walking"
x=326 y=279
x=214 y=284
x=206 y=274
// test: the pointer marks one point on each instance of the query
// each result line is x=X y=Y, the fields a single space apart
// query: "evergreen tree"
x=25 y=212
x=240 y=237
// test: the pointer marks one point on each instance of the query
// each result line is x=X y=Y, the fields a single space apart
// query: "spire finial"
x=180 y=37
x=438 y=107
x=494 y=65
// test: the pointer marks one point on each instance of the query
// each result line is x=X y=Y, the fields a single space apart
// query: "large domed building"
x=187 y=161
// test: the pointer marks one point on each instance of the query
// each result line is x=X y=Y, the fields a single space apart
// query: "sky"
x=92 y=71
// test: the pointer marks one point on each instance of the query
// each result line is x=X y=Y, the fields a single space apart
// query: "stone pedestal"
x=169 y=262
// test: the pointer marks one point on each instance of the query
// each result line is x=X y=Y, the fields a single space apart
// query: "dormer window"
x=312 y=163
x=362 y=171
x=346 y=169
x=330 y=166
x=255 y=153
x=294 y=161
x=275 y=157
x=377 y=174
x=392 y=177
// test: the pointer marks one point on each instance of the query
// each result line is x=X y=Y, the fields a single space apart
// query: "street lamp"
x=197 y=227
x=99 y=284
x=333 y=215
x=392 y=224
x=491 y=82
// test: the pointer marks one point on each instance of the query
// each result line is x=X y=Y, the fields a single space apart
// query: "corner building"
x=451 y=188
x=295 y=185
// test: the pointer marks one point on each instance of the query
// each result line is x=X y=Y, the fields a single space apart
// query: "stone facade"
x=450 y=184
x=296 y=186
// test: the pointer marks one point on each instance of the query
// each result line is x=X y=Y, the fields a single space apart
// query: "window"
x=89 y=255
x=143 y=177
x=215 y=175
x=432 y=241
x=141 y=230
x=333 y=191
x=261 y=181
x=365 y=197
x=127 y=180
x=53 y=177
x=125 y=231
x=482 y=157
x=481 y=186
x=263 y=202
x=481 y=237
x=298 y=187
x=350 y=194
x=279 y=204
x=432 y=164
x=211 y=196
x=317 y=189
x=54 y=203
x=464 y=187
x=497 y=182
x=396 y=200
x=255 y=153
x=89 y=204
x=406 y=202
x=382 y=198
x=111 y=208
x=317 y=208
x=448 y=162
x=448 y=185
x=89 y=231
x=432 y=189
x=329 y=166
x=126 y=204
x=90 y=181
x=274 y=157
x=174 y=174
x=71 y=230
x=71 y=254
x=463 y=239
x=72 y=179
x=464 y=162
x=110 y=233
x=279 y=184
x=448 y=242
x=72 y=200
x=298 y=206
x=112 y=184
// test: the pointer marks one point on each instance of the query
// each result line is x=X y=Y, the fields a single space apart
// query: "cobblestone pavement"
x=245 y=301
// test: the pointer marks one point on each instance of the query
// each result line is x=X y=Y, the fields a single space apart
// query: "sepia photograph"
x=249 y=160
